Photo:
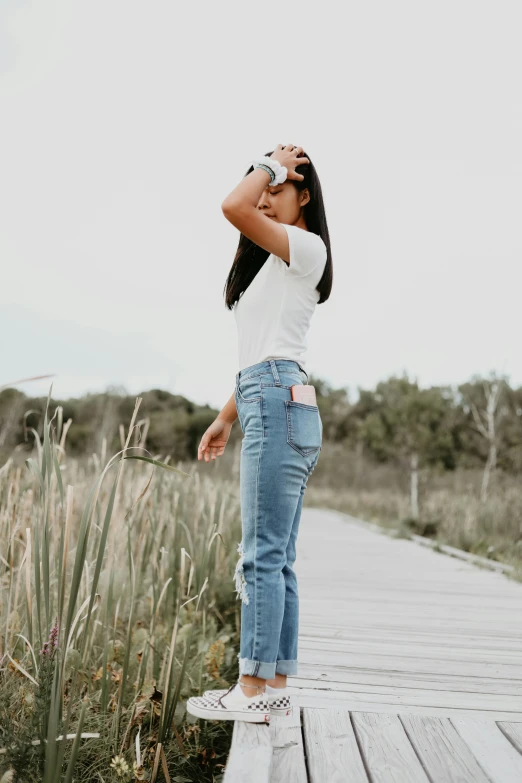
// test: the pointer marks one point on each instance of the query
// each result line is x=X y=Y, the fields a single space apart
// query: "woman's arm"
x=229 y=412
x=240 y=206
x=240 y=209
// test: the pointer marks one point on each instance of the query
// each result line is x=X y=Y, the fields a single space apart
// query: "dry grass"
x=450 y=507
x=132 y=565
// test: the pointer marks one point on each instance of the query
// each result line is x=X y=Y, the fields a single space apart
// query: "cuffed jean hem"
x=266 y=670
x=286 y=667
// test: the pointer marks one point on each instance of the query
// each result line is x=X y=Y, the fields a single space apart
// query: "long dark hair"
x=250 y=257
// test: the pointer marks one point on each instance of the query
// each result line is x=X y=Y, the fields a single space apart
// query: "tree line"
x=478 y=423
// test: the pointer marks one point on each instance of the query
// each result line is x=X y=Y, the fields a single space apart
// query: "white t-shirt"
x=273 y=314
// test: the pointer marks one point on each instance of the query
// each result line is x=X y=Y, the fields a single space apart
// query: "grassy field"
x=116 y=605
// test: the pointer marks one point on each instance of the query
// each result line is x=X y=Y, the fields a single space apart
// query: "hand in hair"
x=289 y=156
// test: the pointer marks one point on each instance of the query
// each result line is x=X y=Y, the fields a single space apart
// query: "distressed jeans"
x=280 y=448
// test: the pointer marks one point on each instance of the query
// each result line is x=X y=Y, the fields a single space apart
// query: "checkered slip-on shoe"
x=279 y=700
x=230 y=705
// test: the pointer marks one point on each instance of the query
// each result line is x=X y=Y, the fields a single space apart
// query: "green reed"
x=111 y=575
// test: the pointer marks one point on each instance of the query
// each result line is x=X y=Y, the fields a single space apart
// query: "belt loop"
x=273 y=367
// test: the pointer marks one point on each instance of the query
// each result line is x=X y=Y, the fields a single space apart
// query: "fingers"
x=207 y=452
x=294 y=174
x=204 y=449
x=291 y=148
x=295 y=148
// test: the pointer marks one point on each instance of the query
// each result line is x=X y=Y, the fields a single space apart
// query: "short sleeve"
x=307 y=250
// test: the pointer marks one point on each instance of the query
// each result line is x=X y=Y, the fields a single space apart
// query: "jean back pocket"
x=304 y=427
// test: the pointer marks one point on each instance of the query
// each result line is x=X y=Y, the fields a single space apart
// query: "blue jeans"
x=280 y=448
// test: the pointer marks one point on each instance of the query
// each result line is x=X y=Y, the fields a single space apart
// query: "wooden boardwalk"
x=410 y=668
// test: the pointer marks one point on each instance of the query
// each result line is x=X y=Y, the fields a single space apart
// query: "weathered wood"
x=288 y=757
x=388 y=626
x=494 y=752
x=418 y=702
x=312 y=673
x=443 y=753
x=250 y=754
x=388 y=754
x=513 y=732
x=331 y=747
x=409 y=668
x=271 y=753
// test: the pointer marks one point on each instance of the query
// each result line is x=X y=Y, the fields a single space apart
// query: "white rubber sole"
x=249 y=716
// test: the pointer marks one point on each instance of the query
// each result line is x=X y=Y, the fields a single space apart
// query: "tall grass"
x=116 y=603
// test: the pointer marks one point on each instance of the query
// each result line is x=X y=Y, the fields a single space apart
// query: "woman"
x=281 y=270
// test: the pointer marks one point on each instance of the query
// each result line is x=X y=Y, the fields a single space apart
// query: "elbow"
x=228 y=207
x=232 y=208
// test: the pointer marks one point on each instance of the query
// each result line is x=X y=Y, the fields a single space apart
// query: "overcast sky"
x=124 y=126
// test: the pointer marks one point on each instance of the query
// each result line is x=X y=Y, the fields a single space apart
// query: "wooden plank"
x=313 y=675
x=493 y=751
x=386 y=749
x=410 y=608
x=336 y=519
x=271 y=753
x=442 y=751
x=407 y=657
x=331 y=747
x=401 y=696
x=371 y=614
x=429 y=542
x=428 y=589
x=375 y=703
x=513 y=732
x=250 y=754
x=389 y=626
x=434 y=652
x=288 y=756
x=317 y=627
x=323 y=656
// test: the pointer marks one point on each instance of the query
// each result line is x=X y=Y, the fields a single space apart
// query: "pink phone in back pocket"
x=304 y=392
